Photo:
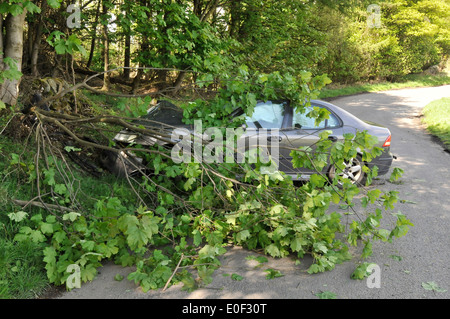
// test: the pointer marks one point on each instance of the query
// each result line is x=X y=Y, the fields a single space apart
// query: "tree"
x=12 y=20
x=105 y=36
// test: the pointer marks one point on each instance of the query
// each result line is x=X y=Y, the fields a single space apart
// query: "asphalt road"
x=422 y=256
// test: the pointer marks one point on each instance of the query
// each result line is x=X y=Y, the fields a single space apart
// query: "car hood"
x=164 y=117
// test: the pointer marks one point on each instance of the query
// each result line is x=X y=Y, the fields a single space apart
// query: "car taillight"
x=387 y=143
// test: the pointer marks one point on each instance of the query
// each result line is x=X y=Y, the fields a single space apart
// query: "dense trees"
x=211 y=35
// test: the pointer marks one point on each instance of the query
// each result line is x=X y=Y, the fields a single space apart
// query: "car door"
x=303 y=132
x=263 y=132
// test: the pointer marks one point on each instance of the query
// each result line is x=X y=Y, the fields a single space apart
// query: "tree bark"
x=1 y=42
x=94 y=37
x=106 y=77
x=37 y=40
x=127 y=57
x=127 y=51
x=12 y=48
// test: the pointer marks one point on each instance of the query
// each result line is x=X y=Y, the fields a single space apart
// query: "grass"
x=437 y=119
x=408 y=81
x=22 y=274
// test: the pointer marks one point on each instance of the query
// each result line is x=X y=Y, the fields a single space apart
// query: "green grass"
x=22 y=273
x=437 y=118
x=408 y=81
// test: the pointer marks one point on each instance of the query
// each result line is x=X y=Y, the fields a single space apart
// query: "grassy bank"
x=436 y=116
x=408 y=81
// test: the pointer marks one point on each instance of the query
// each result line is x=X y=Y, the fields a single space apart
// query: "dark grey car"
x=290 y=129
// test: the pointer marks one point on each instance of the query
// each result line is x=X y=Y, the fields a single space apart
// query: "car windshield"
x=268 y=115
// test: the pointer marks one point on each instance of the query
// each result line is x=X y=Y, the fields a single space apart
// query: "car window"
x=301 y=120
x=268 y=115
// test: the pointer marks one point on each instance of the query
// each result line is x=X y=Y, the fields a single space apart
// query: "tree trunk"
x=1 y=42
x=37 y=40
x=12 y=48
x=235 y=17
x=179 y=81
x=127 y=57
x=106 y=76
x=127 y=51
x=94 y=37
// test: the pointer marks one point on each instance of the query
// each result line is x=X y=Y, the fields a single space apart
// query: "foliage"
x=437 y=118
x=431 y=285
x=189 y=212
x=409 y=39
x=62 y=46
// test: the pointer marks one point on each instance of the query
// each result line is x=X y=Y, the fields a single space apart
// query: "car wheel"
x=352 y=171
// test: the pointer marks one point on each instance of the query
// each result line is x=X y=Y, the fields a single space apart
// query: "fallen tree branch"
x=24 y=204
x=84 y=85
x=174 y=272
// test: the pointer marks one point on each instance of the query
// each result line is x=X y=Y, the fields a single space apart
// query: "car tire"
x=352 y=171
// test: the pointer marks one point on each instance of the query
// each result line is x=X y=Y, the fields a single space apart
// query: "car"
x=276 y=121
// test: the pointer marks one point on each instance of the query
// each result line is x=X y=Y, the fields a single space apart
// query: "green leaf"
x=431 y=285
x=273 y=250
x=197 y=237
x=137 y=237
x=320 y=246
x=49 y=176
x=397 y=258
x=88 y=273
x=189 y=284
x=236 y=277
x=60 y=189
x=205 y=274
x=361 y=271
x=326 y=295
x=59 y=236
x=18 y=217
x=297 y=243
x=396 y=174
x=46 y=228
x=118 y=277
x=71 y=149
x=242 y=235
x=72 y=216
x=31 y=7
x=55 y=4
x=272 y=273
x=36 y=236
x=149 y=225
x=61 y=48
